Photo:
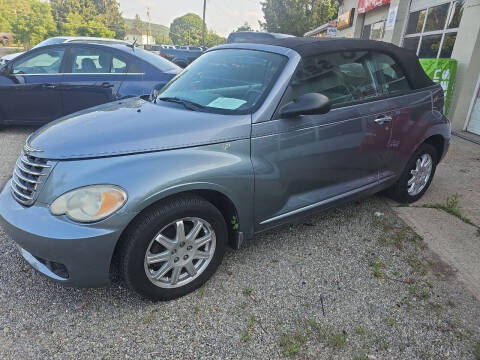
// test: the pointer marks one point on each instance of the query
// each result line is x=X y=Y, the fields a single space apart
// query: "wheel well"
x=438 y=142
x=219 y=200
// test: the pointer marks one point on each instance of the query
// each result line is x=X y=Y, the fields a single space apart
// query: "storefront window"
x=447 y=47
x=374 y=31
x=415 y=22
x=436 y=17
x=411 y=43
x=432 y=32
x=456 y=14
x=429 y=47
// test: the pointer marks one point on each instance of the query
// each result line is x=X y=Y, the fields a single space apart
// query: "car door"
x=310 y=161
x=29 y=87
x=408 y=109
x=95 y=73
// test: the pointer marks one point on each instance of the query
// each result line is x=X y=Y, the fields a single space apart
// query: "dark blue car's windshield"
x=230 y=81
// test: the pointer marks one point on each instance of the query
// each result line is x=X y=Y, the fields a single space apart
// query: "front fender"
x=151 y=177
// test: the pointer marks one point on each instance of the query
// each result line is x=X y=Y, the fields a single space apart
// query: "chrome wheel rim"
x=420 y=175
x=180 y=252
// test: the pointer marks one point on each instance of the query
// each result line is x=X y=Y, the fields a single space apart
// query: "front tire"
x=417 y=176
x=173 y=249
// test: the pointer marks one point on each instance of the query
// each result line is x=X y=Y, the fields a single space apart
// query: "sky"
x=223 y=16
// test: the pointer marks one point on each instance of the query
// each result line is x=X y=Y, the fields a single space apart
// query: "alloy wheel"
x=180 y=252
x=420 y=175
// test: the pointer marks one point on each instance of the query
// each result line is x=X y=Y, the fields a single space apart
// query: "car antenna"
x=132 y=45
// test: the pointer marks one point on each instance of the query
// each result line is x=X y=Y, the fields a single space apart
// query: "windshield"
x=229 y=81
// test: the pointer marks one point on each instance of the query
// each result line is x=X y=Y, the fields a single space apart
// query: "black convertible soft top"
x=307 y=46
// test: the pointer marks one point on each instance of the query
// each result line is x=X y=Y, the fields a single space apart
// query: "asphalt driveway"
x=353 y=283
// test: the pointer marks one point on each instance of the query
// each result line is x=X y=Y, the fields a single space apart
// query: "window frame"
x=443 y=32
x=35 y=52
x=288 y=95
x=68 y=65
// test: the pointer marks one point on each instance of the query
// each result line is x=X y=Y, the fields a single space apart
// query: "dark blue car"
x=46 y=83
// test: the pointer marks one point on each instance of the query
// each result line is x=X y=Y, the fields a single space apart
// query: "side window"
x=47 y=61
x=92 y=60
x=389 y=75
x=343 y=77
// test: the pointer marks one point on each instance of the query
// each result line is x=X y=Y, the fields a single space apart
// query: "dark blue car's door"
x=93 y=77
x=29 y=90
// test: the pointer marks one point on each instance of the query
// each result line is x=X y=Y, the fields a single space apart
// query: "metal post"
x=203 y=25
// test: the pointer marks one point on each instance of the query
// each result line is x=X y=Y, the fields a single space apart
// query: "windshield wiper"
x=190 y=105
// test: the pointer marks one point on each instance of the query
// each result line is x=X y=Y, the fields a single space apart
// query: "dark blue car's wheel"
x=173 y=248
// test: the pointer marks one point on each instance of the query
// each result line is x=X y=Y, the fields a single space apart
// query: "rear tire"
x=160 y=256
x=416 y=177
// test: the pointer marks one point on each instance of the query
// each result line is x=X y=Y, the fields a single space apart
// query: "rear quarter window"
x=389 y=74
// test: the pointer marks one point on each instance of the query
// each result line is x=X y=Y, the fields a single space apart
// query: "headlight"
x=90 y=203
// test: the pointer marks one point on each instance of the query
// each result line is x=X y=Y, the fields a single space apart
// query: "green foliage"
x=103 y=17
x=187 y=30
x=35 y=24
x=75 y=26
x=296 y=17
x=245 y=27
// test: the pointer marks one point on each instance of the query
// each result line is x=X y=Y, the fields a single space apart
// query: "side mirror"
x=307 y=104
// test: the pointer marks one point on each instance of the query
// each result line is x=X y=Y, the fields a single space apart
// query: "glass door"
x=474 y=123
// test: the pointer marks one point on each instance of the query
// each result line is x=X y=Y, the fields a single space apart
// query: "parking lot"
x=354 y=282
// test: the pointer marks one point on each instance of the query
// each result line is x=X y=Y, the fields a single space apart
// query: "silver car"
x=248 y=138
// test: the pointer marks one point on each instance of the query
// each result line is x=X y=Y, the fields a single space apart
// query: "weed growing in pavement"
x=361 y=356
x=377 y=267
x=418 y=265
x=418 y=292
x=337 y=340
x=478 y=232
x=247 y=291
x=399 y=238
x=450 y=206
x=148 y=318
x=245 y=336
x=450 y=303
x=477 y=351
x=360 y=331
x=292 y=343
x=390 y=321
x=202 y=290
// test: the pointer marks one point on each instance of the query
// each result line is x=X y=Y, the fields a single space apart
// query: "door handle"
x=107 y=85
x=383 y=119
x=49 y=86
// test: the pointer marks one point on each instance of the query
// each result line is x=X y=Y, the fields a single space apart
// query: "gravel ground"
x=353 y=283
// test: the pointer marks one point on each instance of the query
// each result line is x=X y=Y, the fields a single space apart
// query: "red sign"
x=367 y=5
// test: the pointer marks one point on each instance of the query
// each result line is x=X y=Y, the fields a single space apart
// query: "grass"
x=148 y=319
x=390 y=321
x=477 y=351
x=247 y=291
x=419 y=292
x=377 y=267
x=399 y=238
x=418 y=266
x=245 y=335
x=292 y=344
x=360 y=331
x=450 y=206
x=337 y=340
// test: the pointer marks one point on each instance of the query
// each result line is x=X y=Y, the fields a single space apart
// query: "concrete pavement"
x=455 y=241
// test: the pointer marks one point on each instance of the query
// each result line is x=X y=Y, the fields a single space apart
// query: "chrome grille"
x=28 y=176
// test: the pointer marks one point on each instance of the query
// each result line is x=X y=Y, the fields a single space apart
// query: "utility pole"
x=149 y=32
x=203 y=25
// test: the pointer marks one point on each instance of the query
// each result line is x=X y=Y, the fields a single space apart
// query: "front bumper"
x=43 y=239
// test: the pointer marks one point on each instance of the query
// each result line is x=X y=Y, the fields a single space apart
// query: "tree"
x=35 y=25
x=187 y=30
x=296 y=17
x=245 y=27
x=76 y=26
x=213 y=39
x=107 y=13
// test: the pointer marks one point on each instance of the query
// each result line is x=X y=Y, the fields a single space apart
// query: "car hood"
x=9 y=57
x=133 y=126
